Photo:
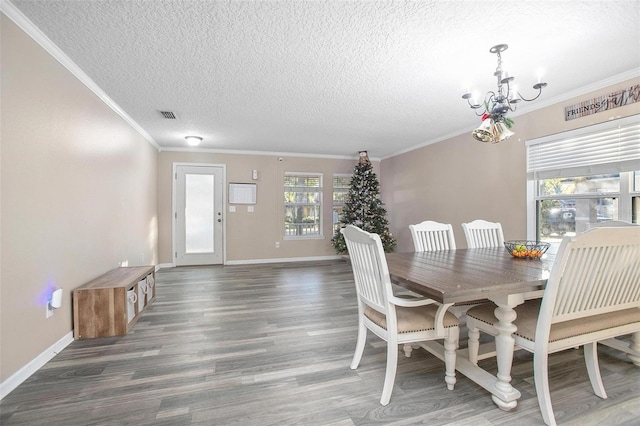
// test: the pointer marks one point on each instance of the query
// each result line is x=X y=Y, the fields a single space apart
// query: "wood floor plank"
x=271 y=345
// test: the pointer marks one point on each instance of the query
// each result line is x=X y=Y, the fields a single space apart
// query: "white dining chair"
x=480 y=233
x=397 y=320
x=432 y=236
x=610 y=224
x=436 y=236
x=592 y=294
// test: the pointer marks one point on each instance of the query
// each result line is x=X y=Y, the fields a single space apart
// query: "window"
x=585 y=176
x=302 y=205
x=635 y=200
x=341 y=185
x=569 y=205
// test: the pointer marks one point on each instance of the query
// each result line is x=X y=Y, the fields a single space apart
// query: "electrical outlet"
x=277 y=244
x=49 y=310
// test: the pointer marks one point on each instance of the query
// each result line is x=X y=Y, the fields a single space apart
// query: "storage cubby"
x=112 y=303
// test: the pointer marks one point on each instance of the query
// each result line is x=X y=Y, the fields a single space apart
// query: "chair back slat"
x=369 y=265
x=594 y=273
x=432 y=236
x=480 y=233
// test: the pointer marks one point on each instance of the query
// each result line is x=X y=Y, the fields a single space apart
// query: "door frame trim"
x=174 y=209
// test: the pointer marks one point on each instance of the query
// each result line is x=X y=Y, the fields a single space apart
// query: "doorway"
x=198 y=214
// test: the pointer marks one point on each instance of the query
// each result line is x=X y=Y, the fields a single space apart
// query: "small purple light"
x=45 y=295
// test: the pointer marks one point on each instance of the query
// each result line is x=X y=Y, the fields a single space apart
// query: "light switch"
x=250 y=209
x=232 y=209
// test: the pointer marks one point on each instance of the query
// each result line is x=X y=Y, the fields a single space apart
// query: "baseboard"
x=25 y=372
x=34 y=365
x=164 y=265
x=282 y=260
x=258 y=261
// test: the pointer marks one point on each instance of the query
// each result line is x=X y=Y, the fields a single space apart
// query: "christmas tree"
x=363 y=208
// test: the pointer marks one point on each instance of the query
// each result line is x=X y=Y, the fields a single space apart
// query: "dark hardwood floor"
x=271 y=345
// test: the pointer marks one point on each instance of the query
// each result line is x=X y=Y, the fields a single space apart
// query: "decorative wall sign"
x=603 y=103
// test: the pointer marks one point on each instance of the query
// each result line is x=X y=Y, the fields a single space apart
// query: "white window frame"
x=624 y=196
x=340 y=190
x=320 y=234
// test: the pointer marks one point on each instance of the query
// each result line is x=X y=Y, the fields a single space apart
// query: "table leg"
x=632 y=349
x=504 y=354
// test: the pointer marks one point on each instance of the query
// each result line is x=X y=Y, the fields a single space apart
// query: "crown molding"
x=13 y=13
x=266 y=153
x=609 y=81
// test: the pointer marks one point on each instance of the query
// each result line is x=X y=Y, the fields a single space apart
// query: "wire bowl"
x=526 y=249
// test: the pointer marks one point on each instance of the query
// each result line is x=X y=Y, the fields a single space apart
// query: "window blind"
x=610 y=147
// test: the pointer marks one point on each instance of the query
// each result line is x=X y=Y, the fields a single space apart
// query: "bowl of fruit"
x=526 y=249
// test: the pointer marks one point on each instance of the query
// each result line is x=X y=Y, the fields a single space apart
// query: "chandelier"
x=495 y=125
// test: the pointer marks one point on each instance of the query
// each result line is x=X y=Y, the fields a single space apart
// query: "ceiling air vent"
x=168 y=115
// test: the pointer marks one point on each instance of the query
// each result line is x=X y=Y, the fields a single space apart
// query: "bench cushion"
x=412 y=319
x=528 y=317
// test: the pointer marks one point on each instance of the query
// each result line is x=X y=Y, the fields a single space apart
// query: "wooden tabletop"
x=467 y=275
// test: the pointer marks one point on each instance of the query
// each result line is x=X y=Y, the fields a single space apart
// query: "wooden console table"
x=110 y=304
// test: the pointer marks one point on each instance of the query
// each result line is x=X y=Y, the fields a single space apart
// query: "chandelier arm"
x=532 y=99
x=473 y=106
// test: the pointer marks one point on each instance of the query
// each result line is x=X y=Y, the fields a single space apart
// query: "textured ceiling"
x=331 y=77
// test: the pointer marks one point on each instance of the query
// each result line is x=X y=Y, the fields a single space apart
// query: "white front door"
x=198 y=214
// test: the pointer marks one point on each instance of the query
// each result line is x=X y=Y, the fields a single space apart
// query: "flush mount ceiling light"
x=193 y=140
x=495 y=125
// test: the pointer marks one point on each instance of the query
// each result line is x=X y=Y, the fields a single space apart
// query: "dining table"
x=466 y=276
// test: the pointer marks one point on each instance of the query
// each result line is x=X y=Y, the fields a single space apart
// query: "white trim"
x=335 y=204
x=586 y=130
x=624 y=196
x=174 y=210
x=598 y=85
x=531 y=210
x=314 y=174
x=45 y=42
x=164 y=266
x=610 y=81
x=320 y=190
x=269 y=153
x=283 y=260
x=303 y=237
x=34 y=365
